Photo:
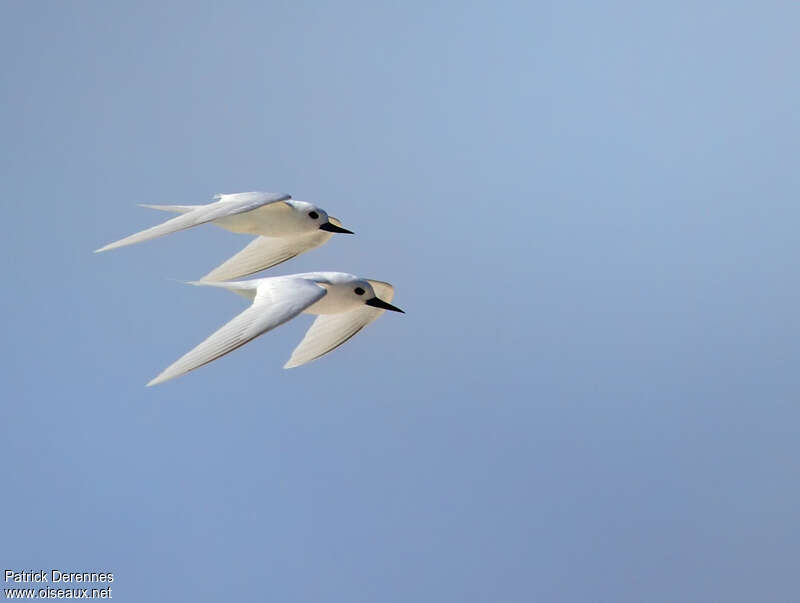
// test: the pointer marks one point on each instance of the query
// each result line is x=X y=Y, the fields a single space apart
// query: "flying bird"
x=285 y=228
x=344 y=303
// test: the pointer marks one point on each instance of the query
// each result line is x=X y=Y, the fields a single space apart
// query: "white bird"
x=286 y=228
x=344 y=303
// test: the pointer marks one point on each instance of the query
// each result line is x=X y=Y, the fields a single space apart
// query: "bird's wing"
x=329 y=331
x=200 y=215
x=276 y=301
x=265 y=252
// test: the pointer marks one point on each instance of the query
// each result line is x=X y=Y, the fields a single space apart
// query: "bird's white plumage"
x=178 y=209
x=341 y=300
x=284 y=227
x=225 y=207
x=329 y=331
x=265 y=252
x=276 y=301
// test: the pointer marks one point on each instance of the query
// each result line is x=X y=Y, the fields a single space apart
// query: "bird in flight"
x=344 y=304
x=284 y=228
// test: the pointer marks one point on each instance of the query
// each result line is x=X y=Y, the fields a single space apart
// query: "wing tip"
x=110 y=246
x=163 y=376
x=294 y=362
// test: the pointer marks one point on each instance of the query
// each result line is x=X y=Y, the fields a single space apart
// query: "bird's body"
x=263 y=221
x=344 y=304
x=285 y=228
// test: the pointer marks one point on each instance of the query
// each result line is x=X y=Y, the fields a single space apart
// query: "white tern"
x=285 y=228
x=344 y=303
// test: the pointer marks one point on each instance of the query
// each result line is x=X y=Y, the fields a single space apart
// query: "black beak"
x=379 y=303
x=333 y=228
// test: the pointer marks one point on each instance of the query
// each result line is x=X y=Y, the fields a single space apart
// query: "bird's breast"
x=270 y=221
x=330 y=304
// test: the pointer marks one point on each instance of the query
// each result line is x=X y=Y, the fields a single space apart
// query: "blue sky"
x=589 y=213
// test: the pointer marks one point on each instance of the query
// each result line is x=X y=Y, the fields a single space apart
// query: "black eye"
x=313 y=215
x=359 y=291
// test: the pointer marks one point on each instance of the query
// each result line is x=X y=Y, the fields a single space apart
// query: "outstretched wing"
x=276 y=301
x=265 y=252
x=329 y=331
x=201 y=215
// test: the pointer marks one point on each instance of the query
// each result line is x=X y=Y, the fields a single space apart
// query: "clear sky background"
x=589 y=211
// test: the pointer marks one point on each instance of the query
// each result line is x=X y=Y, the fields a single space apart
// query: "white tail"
x=178 y=209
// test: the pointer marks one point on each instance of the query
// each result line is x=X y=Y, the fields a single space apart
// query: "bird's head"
x=363 y=292
x=312 y=217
